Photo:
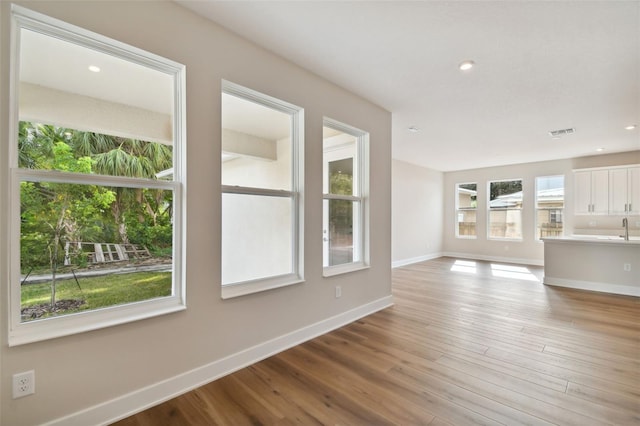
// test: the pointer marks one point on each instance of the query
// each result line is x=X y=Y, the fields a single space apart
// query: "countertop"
x=594 y=239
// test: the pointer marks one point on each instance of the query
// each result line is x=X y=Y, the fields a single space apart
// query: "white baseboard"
x=535 y=262
x=141 y=399
x=593 y=286
x=403 y=262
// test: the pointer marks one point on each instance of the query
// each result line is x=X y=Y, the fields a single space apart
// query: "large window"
x=549 y=206
x=505 y=209
x=466 y=208
x=96 y=175
x=261 y=201
x=345 y=183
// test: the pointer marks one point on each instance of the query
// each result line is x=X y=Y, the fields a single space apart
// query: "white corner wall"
x=103 y=375
x=417 y=211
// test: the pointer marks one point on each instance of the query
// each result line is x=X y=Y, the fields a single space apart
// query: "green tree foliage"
x=341 y=211
x=54 y=213
x=504 y=188
x=53 y=210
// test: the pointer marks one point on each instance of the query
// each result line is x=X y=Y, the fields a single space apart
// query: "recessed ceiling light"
x=599 y=149
x=413 y=129
x=631 y=127
x=94 y=68
x=466 y=65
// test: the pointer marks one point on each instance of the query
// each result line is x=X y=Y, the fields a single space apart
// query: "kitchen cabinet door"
x=600 y=192
x=591 y=192
x=634 y=190
x=618 y=191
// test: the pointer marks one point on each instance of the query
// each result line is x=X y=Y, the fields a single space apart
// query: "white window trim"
x=457 y=208
x=242 y=288
x=37 y=330
x=489 y=210
x=362 y=153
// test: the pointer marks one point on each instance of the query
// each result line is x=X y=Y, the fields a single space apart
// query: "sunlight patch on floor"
x=515 y=272
x=466 y=266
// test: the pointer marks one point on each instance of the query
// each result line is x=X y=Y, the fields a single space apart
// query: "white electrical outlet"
x=627 y=267
x=24 y=384
x=338 y=291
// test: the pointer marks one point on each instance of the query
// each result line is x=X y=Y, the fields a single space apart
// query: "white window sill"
x=330 y=271
x=49 y=328
x=230 y=291
x=466 y=238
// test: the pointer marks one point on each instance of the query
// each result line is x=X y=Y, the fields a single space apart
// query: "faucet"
x=625 y=223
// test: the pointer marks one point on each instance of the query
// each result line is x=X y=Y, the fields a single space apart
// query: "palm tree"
x=46 y=204
x=67 y=210
x=116 y=156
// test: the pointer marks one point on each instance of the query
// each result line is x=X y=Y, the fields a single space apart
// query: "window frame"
x=362 y=189
x=458 y=209
x=550 y=209
x=489 y=210
x=52 y=327
x=242 y=288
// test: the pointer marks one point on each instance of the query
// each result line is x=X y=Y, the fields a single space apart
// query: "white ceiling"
x=58 y=64
x=541 y=66
x=264 y=122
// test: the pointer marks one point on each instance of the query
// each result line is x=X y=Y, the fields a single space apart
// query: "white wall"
x=528 y=250
x=124 y=366
x=417 y=206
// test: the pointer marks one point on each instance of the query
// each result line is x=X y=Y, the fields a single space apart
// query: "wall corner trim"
x=516 y=260
x=624 y=290
x=404 y=262
x=147 y=397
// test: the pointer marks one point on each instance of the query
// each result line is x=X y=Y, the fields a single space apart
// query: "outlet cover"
x=24 y=384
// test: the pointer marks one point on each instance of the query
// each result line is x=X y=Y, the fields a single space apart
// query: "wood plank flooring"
x=467 y=343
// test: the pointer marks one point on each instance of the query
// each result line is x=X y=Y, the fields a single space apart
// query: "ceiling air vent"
x=556 y=134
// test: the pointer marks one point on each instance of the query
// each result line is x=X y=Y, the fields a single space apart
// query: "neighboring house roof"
x=467 y=191
x=552 y=194
x=507 y=200
x=515 y=199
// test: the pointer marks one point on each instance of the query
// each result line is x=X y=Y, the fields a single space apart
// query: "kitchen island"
x=596 y=263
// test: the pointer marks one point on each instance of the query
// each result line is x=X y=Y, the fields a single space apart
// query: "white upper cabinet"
x=618 y=191
x=633 y=190
x=614 y=191
x=592 y=192
x=624 y=191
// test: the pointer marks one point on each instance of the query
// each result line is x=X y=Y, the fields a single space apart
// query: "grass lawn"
x=100 y=292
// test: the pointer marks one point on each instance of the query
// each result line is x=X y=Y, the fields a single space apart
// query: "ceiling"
x=540 y=66
x=62 y=65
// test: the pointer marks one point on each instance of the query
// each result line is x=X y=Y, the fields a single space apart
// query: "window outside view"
x=549 y=206
x=88 y=246
x=259 y=200
x=505 y=209
x=339 y=230
x=467 y=204
x=342 y=232
x=96 y=214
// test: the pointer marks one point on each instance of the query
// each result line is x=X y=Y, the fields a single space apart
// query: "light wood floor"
x=459 y=347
